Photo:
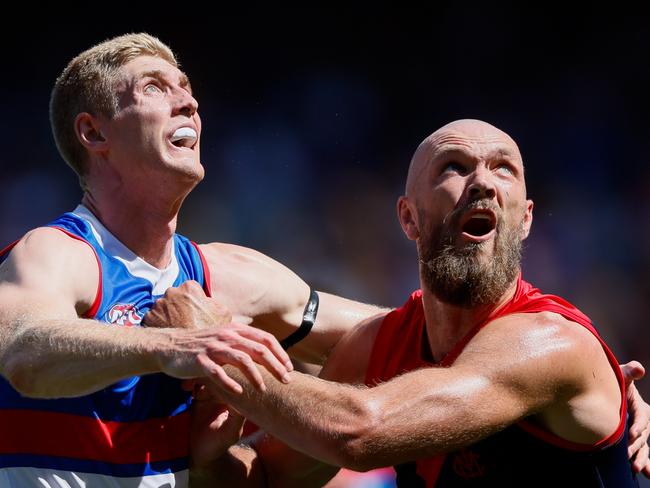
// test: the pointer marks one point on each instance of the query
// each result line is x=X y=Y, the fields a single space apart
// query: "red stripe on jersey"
x=8 y=248
x=92 y=311
x=74 y=436
x=207 y=285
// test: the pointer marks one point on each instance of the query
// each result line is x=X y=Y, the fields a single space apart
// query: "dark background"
x=311 y=116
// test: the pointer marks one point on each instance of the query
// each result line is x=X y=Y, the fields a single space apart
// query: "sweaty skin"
x=537 y=366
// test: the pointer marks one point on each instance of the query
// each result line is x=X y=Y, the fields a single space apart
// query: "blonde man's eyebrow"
x=183 y=81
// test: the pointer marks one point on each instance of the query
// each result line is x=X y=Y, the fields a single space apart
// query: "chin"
x=189 y=167
x=193 y=173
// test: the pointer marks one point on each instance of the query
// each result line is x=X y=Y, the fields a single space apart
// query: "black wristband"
x=308 y=319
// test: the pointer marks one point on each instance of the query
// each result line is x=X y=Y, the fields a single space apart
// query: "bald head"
x=470 y=135
x=466 y=208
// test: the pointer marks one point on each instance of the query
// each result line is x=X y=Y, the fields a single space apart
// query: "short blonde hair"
x=88 y=84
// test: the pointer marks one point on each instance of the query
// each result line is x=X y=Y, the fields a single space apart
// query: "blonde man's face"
x=157 y=128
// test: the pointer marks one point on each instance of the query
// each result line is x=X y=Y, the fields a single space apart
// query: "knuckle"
x=246 y=359
x=216 y=348
x=238 y=356
x=270 y=339
x=224 y=334
x=265 y=336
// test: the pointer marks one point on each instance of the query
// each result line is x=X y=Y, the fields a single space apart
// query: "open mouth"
x=479 y=224
x=184 y=137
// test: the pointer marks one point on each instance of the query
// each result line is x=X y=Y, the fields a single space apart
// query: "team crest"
x=124 y=314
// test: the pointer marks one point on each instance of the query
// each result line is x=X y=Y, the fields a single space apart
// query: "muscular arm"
x=264 y=293
x=549 y=369
x=47 y=351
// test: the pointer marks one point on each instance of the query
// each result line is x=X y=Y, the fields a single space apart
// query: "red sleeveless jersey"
x=505 y=458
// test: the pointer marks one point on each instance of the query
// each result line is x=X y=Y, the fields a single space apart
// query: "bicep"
x=272 y=297
x=435 y=410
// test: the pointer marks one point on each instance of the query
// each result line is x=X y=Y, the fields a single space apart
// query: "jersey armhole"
x=92 y=311
x=8 y=248
x=207 y=284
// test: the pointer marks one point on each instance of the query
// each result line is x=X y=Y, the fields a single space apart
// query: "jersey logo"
x=466 y=465
x=124 y=314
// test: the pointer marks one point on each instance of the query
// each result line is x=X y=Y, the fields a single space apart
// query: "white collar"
x=160 y=279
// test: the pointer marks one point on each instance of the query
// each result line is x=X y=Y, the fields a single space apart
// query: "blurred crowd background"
x=310 y=117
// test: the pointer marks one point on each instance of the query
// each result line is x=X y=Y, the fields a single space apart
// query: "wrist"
x=160 y=348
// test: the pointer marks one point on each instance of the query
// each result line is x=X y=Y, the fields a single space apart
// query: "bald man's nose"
x=482 y=184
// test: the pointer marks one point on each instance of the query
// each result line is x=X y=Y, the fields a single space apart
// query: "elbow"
x=26 y=372
x=21 y=375
x=17 y=365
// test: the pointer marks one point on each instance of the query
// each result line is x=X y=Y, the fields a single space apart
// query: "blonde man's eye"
x=151 y=88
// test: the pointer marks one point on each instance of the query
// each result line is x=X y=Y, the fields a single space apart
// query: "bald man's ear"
x=407 y=218
x=89 y=133
x=528 y=218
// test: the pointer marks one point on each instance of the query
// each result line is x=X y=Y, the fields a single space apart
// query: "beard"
x=457 y=275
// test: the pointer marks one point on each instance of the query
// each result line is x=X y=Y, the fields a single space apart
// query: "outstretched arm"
x=269 y=462
x=517 y=370
x=47 y=351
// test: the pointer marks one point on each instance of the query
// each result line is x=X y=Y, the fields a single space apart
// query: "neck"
x=144 y=224
x=447 y=324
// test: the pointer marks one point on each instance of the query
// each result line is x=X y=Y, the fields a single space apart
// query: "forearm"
x=321 y=419
x=48 y=358
x=397 y=421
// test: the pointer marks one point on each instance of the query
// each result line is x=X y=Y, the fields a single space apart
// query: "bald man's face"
x=467 y=187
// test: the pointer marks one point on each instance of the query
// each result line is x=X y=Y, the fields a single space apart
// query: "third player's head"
x=466 y=208
x=122 y=111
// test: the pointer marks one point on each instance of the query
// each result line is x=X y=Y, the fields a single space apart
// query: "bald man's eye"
x=505 y=169
x=453 y=167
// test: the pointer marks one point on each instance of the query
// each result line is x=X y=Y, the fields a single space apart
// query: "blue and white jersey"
x=131 y=434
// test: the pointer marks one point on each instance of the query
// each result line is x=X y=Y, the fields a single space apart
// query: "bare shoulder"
x=251 y=282
x=357 y=343
x=556 y=366
x=47 y=260
x=545 y=342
